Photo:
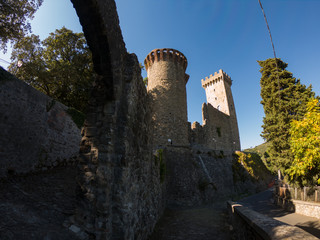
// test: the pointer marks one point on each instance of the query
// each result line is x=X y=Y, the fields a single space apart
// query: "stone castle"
x=122 y=185
x=167 y=87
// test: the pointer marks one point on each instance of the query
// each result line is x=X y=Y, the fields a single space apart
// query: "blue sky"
x=214 y=34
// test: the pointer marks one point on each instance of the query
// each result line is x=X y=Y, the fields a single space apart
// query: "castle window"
x=219 y=131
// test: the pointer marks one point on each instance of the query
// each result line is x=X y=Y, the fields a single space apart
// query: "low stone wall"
x=302 y=207
x=248 y=224
x=36 y=131
x=304 y=200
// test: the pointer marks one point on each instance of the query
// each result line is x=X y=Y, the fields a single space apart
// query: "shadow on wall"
x=37 y=132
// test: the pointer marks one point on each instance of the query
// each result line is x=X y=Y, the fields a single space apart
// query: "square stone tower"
x=219 y=96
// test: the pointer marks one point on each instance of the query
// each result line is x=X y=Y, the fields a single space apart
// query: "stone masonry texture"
x=37 y=132
x=120 y=193
x=167 y=89
x=219 y=129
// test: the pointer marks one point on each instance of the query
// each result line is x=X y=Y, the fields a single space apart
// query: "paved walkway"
x=263 y=203
x=201 y=223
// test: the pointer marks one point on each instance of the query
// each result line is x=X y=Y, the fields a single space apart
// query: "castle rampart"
x=166 y=87
x=215 y=78
x=165 y=54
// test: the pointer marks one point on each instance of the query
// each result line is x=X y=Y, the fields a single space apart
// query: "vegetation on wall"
x=145 y=81
x=161 y=163
x=262 y=151
x=60 y=66
x=77 y=116
x=284 y=99
x=249 y=166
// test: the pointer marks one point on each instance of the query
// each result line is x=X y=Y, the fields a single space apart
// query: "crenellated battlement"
x=165 y=54
x=218 y=76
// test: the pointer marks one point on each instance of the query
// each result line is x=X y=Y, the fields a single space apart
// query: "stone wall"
x=209 y=176
x=215 y=132
x=248 y=224
x=120 y=193
x=36 y=131
x=309 y=209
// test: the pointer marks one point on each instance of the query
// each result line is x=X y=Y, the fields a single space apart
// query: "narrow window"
x=219 y=131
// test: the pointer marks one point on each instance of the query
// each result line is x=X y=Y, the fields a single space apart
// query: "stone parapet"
x=218 y=76
x=166 y=54
x=248 y=224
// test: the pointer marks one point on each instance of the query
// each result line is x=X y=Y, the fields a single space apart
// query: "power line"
x=274 y=51
x=4 y=61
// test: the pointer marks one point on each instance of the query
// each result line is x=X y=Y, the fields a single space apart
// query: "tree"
x=59 y=66
x=283 y=100
x=305 y=145
x=14 y=17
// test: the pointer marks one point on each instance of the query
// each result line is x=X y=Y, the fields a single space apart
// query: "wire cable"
x=274 y=51
x=4 y=61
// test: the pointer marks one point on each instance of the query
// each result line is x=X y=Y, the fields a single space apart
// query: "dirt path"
x=202 y=223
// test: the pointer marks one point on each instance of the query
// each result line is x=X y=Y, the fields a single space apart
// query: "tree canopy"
x=14 y=16
x=305 y=145
x=59 y=66
x=284 y=99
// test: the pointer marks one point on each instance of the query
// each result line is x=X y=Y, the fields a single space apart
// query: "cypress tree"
x=284 y=98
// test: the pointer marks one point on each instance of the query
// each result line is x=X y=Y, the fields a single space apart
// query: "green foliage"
x=249 y=166
x=141 y=66
x=77 y=117
x=14 y=19
x=145 y=81
x=261 y=150
x=305 y=145
x=162 y=165
x=59 y=66
x=283 y=100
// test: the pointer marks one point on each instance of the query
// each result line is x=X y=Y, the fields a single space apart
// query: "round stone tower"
x=167 y=87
